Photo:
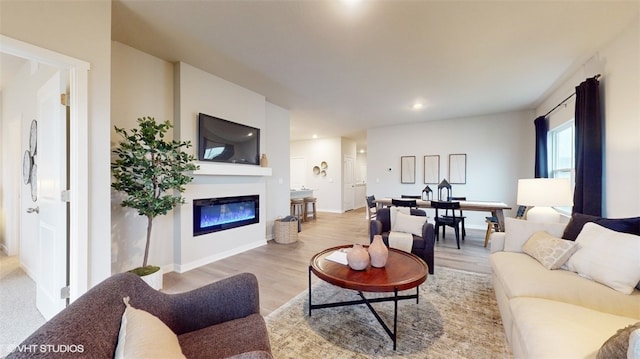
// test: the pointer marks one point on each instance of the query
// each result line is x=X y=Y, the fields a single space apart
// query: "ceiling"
x=341 y=67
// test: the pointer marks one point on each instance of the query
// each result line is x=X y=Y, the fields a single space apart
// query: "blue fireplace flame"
x=226 y=213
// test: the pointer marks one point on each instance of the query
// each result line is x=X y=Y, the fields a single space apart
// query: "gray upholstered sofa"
x=423 y=246
x=219 y=320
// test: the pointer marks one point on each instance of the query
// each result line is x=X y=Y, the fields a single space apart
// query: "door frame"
x=78 y=153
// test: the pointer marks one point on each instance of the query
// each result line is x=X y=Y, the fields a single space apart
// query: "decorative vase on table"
x=358 y=257
x=378 y=252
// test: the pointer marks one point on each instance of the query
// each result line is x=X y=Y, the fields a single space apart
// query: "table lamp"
x=542 y=194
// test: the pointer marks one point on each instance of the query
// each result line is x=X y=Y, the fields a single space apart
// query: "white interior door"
x=51 y=161
x=349 y=182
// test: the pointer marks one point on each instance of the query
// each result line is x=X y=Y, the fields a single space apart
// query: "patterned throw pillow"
x=617 y=346
x=550 y=251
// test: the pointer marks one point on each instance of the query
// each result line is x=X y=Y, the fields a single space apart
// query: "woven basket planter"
x=285 y=232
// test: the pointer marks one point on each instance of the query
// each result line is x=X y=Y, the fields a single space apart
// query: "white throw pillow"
x=552 y=252
x=518 y=231
x=408 y=224
x=143 y=335
x=393 y=212
x=607 y=257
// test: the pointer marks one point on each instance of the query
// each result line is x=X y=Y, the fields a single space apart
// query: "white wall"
x=327 y=189
x=277 y=150
x=197 y=91
x=80 y=30
x=145 y=85
x=499 y=148
x=141 y=85
x=619 y=64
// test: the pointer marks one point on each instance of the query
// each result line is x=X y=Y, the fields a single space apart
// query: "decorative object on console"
x=542 y=194
x=378 y=252
x=444 y=185
x=428 y=191
x=149 y=170
x=358 y=257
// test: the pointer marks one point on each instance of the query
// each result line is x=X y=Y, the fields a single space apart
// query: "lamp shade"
x=544 y=192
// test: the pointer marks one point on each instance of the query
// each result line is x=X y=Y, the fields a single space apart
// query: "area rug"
x=456 y=317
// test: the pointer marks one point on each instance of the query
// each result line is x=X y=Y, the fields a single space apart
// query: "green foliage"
x=146 y=270
x=150 y=170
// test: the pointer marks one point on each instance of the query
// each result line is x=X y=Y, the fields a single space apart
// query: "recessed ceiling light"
x=314 y=136
x=418 y=106
x=351 y=2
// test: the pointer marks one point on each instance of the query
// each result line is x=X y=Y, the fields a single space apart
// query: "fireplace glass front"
x=218 y=214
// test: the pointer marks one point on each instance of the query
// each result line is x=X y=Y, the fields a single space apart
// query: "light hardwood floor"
x=282 y=269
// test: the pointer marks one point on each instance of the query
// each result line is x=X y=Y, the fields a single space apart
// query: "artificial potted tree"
x=150 y=171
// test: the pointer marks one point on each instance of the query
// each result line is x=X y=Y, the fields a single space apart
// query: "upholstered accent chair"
x=423 y=246
x=219 y=320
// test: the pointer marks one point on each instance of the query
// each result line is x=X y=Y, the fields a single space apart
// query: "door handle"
x=33 y=210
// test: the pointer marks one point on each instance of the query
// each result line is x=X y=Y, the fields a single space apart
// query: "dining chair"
x=407 y=196
x=444 y=221
x=464 y=230
x=493 y=225
x=372 y=208
x=404 y=203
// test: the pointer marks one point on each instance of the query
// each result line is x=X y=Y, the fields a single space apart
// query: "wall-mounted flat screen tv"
x=220 y=140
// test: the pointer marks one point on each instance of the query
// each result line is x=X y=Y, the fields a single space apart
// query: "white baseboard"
x=181 y=268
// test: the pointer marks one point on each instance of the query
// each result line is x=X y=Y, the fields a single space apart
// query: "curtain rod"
x=567 y=99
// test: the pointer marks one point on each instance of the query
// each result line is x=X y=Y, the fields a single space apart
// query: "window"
x=562 y=151
x=562 y=154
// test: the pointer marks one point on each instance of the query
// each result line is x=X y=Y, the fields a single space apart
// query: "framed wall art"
x=458 y=168
x=432 y=169
x=408 y=169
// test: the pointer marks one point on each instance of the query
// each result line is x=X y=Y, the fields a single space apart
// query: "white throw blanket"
x=401 y=240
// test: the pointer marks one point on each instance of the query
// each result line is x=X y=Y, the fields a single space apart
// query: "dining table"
x=495 y=208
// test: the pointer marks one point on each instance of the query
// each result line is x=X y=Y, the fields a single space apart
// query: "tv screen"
x=225 y=141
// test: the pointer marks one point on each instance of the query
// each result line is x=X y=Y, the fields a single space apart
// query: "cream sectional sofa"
x=554 y=313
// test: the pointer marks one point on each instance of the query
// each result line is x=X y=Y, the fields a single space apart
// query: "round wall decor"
x=27 y=164
x=34 y=182
x=33 y=137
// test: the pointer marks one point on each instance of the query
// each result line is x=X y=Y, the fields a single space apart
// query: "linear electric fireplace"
x=217 y=214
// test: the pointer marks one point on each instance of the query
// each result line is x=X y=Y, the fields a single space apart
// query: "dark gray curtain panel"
x=542 y=128
x=587 y=198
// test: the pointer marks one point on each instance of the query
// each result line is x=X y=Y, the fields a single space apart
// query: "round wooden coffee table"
x=403 y=271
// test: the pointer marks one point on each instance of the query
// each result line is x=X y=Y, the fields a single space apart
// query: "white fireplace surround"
x=197 y=91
